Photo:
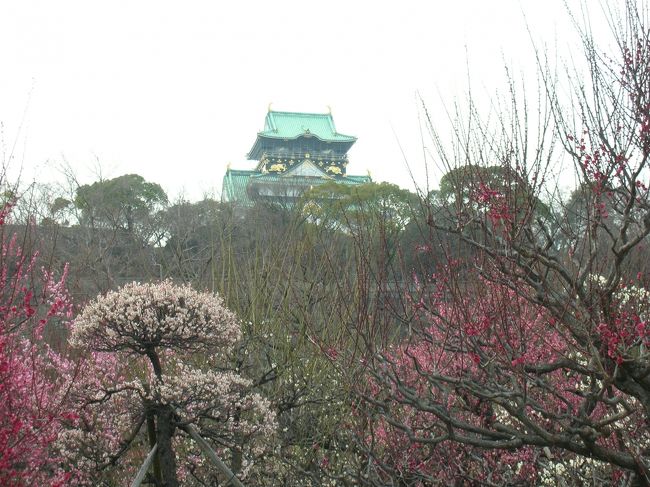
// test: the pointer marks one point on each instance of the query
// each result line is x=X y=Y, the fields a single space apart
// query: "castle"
x=294 y=153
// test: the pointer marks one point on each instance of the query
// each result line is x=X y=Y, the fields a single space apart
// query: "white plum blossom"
x=168 y=349
x=139 y=317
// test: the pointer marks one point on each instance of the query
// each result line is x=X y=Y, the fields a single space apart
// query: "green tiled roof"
x=291 y=125
x=234 y=186
x=350 y=179
x=235 y=183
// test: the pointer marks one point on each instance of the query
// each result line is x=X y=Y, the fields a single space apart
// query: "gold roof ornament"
x=279 y=167
x=269 y=109
x=329 y=109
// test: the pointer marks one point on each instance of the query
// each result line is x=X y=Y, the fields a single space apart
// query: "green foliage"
x=461 y=185
x=366 y=211
x=459 y=182
x=121 y=202
x=59 y=204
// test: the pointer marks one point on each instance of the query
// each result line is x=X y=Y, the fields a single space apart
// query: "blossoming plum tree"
x=34 y=376
x=170 y=346
x=475 y=386
x=538 y=344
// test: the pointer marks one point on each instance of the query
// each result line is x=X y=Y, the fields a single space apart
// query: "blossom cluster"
x=150 y=347
x=139 y=317
x=444 y=371
x=34 y=376
x=624 y=331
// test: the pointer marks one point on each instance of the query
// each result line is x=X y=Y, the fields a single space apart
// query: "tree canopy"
x=123 y=202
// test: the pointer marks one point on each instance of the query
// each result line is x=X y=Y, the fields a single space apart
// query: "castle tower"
x=294 y=152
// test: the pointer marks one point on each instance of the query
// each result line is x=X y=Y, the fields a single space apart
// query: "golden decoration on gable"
x=277 y=168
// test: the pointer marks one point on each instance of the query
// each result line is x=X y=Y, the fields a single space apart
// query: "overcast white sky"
x=175 y=90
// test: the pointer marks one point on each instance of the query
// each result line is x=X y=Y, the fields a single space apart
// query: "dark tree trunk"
x=165 y=451
x=236 y=452
x=639 y=480
x=151 y=433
